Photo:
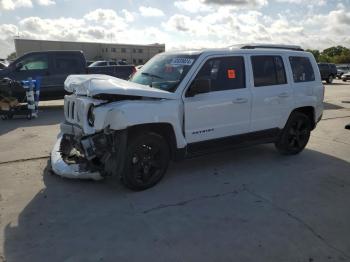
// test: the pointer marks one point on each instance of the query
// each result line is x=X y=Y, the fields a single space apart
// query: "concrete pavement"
x=242 y=205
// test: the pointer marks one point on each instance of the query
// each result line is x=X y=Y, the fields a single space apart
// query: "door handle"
x=284 y=94
x=240 y=100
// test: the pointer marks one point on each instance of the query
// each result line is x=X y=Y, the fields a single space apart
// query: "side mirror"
x=199 y=86
x=18 y=66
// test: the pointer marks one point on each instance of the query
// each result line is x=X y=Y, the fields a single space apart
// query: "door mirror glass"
x=199 y=86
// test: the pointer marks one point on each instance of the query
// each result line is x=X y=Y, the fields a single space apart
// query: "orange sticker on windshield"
x=231 y=73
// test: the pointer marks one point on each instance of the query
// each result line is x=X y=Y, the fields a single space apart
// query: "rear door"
x=225 y=110
x=272 y=94
x=64 y=64
x=324 y=70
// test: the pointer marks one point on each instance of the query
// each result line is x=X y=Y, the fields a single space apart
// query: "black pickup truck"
x=52 y=69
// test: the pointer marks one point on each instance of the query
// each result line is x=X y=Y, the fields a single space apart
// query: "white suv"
x=187 y=103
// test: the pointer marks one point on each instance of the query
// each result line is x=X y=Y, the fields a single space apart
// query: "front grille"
x=71 y=107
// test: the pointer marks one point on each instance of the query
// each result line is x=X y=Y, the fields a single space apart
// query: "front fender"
x=121 y=115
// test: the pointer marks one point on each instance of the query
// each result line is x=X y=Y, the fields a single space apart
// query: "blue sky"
x=179 y=24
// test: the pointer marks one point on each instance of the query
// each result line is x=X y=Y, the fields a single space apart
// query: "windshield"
x=164 y=71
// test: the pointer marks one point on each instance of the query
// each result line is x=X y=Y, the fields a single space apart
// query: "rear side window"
x=67 y=64
x=268 y=70
x=225 y=73
x=302 y=69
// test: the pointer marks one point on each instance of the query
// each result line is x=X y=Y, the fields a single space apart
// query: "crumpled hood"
x=91 y=85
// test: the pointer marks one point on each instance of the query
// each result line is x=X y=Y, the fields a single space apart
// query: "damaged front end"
x=88 y=156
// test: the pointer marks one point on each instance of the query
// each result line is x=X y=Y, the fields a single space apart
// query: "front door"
x=224 y=110
x=35 y=66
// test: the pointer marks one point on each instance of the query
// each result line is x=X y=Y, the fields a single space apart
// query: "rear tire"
x=147 y=160
x=330 y=79
x=295 y=135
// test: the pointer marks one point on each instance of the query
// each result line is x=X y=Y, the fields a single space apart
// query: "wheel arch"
x=166 y=130
x=309 y=111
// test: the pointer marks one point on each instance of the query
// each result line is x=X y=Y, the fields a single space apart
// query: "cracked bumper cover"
x=61 y=168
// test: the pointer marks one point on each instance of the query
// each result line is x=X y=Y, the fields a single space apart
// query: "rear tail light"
x=133 y=70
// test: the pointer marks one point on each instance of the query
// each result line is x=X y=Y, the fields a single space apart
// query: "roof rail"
x=270 y=46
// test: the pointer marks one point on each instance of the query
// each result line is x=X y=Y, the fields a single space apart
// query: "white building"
x=135 y=54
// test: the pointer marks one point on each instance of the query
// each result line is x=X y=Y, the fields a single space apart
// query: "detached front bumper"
x=61 y=168
x=93 y=156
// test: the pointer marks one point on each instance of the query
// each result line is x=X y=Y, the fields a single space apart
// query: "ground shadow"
x=336 y=83
x=101 y=221
x=47 y=116
x=330 y=106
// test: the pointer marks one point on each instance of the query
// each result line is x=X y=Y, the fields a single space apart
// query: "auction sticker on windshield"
x=182 y=61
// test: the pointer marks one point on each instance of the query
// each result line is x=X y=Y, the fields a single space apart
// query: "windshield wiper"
x=151 y=75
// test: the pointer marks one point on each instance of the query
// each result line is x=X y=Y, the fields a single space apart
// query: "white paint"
x=202 y=117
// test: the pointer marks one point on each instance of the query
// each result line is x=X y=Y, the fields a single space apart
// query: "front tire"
x=147 y=160
x=295 y=135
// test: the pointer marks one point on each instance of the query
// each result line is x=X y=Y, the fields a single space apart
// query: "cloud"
x=310 y=2
x=45 y=2
x=201 y=6
x=237 y=2
x=128 y=16
x=229 y=26
x=107 y=17
x=9 y=5
x=225 y=26
x=150 y=11
x=13 y=4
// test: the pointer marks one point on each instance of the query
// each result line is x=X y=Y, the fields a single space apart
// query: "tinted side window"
x=268 y=70
x=225 y=73
x=34 y=62
x=67 y=64
x=302 y=69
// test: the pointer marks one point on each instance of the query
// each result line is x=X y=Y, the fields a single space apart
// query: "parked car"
x=328 y=72
x=52 y=68
x=181 y=104
x=89 y=62
x=345 y=77
x=341 y=69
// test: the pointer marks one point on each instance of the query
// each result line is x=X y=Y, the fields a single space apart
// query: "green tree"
x=324 y=58
x=334 y=51
x=12 y=56
x=343 y=58
x=315 y=52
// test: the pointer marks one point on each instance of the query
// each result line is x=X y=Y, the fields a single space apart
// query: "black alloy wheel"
x=295 y=134
x=146 y=161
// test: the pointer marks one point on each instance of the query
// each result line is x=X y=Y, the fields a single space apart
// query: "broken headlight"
x=91 y=116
